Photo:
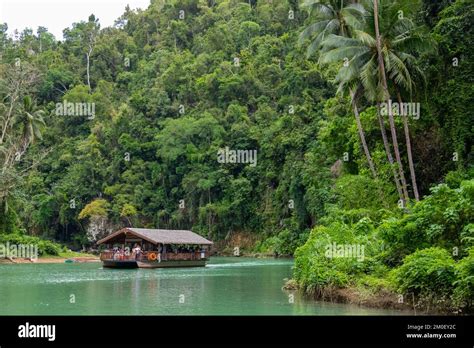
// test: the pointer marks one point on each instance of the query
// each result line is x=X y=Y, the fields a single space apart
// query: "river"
x=226 y=286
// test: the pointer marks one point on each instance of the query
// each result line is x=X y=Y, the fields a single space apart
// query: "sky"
x=57 y=15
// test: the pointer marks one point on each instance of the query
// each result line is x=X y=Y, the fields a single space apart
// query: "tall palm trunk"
x=88 y=67
x=387 y=95
x=388 y=151
x=361 y=133
x=409 y=152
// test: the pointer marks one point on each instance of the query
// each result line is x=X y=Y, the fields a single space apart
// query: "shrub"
x=284 y=243
x=464 y=285
x=314 y=271
x=288 y=241
x=454 y=178
x=358 y=192
x=267 y=245
x=441 y=219
x=427 y=273
x=374 y=283
x=45 y=247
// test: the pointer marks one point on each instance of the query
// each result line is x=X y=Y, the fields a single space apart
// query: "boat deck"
x=151 y=259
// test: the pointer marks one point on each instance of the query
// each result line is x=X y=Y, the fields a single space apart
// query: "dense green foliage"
x=169 y=93
x=427 y=244
x=177 y=82
x=433 y=276
x=443 y=218
x=45 y=247
x=429 y=248
x=427 y=272
x=464 y=285
x=315 y=271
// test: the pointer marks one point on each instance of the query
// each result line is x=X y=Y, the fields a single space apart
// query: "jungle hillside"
x=277 y=127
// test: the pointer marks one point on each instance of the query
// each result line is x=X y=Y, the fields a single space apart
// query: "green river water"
x=226 y=286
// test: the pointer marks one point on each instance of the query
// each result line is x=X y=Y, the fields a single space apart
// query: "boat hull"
x=119 y=263
x=171 y=263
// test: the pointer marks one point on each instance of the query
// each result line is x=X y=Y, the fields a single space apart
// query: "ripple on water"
x=226 y=286
x=70 y=273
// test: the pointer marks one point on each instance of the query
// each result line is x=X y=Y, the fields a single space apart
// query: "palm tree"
x=331 y=17
x=383 y=79
x=400 y=43
x=409 y=44
x=361 y=68
x=406 y=42
x=31 y=119
x=28 y=122
x=334 y=17
x=354 y=93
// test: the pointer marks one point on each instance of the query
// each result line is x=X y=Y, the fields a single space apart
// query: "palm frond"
x=339 y=54
x=368 y=77
x=311 y=30
x=336 y=41
x=399 y=72
x=364 y=38
x=317 y=8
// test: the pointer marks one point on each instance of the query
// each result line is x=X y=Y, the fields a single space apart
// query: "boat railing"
x=147 y=255
x=170 y=256
x=111 y=255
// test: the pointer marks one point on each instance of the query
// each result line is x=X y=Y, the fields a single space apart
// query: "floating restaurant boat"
x=154 y=248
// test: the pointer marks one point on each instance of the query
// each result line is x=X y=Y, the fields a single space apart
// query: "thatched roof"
x=158 y=236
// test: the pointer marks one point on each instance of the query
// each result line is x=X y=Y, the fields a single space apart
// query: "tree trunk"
x=388 y=151
x=88 y=56
x=362 y=135
x=383 y=77
x=409 y=152
x=13 y=99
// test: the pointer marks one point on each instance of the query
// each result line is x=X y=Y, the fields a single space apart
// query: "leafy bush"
x=440 y=219
x=464 y=285
x=287 y=241
x=314 y=270
x=419 y=240
x=428 y=273
x=284 y=243
x=374 y=283
x=454 y=178
x=45 y=247
x=358 y=192
x=266 y=246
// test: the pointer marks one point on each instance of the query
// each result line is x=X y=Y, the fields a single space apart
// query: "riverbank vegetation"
x=423 y=250
x=46 y=249
x=423 y=258
x=122 y=126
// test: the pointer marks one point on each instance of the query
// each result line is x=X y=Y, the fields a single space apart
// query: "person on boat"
x=120 y=254
x=137 y=251
x=115 y=253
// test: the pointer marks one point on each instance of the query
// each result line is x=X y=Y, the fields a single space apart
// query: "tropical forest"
x=275 y=128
